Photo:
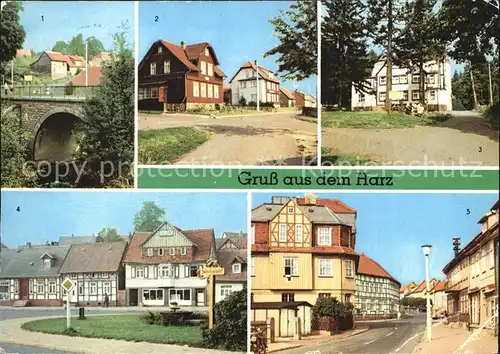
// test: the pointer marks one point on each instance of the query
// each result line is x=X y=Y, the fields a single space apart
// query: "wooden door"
x=133 y=297
x=24 y=286
x=287 y=323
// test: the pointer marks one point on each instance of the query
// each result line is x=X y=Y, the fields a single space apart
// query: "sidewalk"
x=290 y=343
x=449 y=340
x=11 y=332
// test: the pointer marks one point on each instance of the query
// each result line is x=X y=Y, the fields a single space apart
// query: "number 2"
x=156 y=18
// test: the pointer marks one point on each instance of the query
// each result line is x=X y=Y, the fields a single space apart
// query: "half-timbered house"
x=232 y=254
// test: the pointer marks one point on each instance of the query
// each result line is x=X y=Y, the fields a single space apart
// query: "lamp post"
x=258 y=98
x=427 y=251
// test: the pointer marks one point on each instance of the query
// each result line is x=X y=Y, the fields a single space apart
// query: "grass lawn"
x=331 y=157
x=377 y=120
x=124 y=327
x=165 y=146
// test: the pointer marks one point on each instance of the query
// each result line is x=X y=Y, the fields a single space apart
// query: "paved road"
x=10 y=348
x=465 y=139
x=382 y=338
x=257 y=139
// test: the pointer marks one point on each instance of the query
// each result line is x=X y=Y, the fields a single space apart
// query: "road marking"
x=388 y=334
x=401 y=347
x=370 y=342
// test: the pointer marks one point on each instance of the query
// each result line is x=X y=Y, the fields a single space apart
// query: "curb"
x=287 y=348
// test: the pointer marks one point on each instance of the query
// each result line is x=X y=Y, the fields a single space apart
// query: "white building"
x=406 y=81
x=244 y=84
x=232 y=255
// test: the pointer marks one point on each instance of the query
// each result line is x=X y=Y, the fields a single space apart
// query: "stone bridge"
x=52 y=122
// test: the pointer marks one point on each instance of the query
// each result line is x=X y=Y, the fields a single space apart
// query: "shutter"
x=132 y=271
x=155 y=272
x=177 y=271
x=146 y=272
x=186 y=271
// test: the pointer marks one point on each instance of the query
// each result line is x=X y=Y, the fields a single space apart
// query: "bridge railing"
x=50 y=91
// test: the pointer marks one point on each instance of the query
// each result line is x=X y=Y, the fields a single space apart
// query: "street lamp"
x=258 y=98
x=427 y=251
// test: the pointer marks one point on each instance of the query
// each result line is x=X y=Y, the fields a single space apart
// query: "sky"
x=239 y=31
x=46 y=215
x=47 y=22
x=392 y=227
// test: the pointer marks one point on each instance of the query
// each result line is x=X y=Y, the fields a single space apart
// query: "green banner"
x=359 y=179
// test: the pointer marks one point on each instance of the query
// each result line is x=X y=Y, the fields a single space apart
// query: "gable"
x=167 y=236
x=288 y=216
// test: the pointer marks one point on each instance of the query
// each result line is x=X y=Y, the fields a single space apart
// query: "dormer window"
x=183 y=251
x=47 y=263
x=203 y=67
x=160 y=252
x=160 y=49
x=207 y=53
x=324 y=236
x=149 y=252
x=171 y=251
x=237 y=268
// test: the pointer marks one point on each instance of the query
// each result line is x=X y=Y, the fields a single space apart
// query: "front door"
x=200 y=297
x=287 y=323
x=133 y=297
x=24 y=285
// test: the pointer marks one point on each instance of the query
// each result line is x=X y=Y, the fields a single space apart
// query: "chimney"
x=28 y=244
x=183 y=45
x=310 y=198
x=456 y=245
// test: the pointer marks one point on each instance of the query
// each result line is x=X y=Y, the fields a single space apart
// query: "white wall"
x=154 y=280
x=249 y=92
x=219 y=287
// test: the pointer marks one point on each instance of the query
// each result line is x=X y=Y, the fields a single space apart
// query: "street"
x=10 y=348
x=382 y=337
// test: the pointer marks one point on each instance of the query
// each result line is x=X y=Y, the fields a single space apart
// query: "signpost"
x=68 y=285
x=210 y=270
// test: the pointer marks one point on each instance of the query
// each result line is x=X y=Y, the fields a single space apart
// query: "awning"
x=278 y=305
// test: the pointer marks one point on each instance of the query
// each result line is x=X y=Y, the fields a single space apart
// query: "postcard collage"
x=304 y=177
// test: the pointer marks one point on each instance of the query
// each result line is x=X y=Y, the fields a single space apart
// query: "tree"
x=419 y=41
x=149 y=218
x=109 y=234
x=108 y=145
x=76 y=46
x=12 y=37
x=296 y=30
x=14 y=153
x=94 y=46
x=346 y=62
x=61 y=46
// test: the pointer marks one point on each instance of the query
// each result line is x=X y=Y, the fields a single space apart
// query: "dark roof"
x=278 y=305
x=226 y=259
x=76 y=240
x=94 y=257
x=26 y=262
x=368 y=266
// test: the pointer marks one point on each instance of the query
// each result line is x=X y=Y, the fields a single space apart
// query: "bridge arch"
x=53 y=136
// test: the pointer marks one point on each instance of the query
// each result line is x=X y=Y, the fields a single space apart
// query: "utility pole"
x=388 y=79
x=86 y=62
x=490 y=86
x=258 y=98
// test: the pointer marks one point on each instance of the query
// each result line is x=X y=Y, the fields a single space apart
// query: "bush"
x=173 y=318
x=331 y=307
x=492 y=114
x=242 y=101
x=230 y=329
x=217 y=107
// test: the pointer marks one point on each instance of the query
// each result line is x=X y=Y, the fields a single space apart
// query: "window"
x=149 y=252
x=30 y=287
x=161 y=251
x=287 y=297
x=106 y=287
x=348 y=269
x=80 y=289
x=152 y=294
x=179 y=294
x=243 y=84
x=415 y=78
x=141 y=93
x=268 y=85
x=415 y=95
x=203 y=90
x=382 y=80
x=247 y=74
x=165 y=271
x=171 y=251
x=253 y=97
x=46 y=263
x=152 y=69
x=40 y=287
x=196 y=89
x=252 y=266
x=347 y=298
x=381 y=96
x=405 y=95
x=291 y=210
x=403 y=79
x=210 y=69
x=298 y=232
x=206 y=52
x=324 y=236
x=203 y=66
x=93 y=288
x=431 y=79
x=291 y=267
x=325 y=267
x=324 y=295
x=160 y=49
x=268 y=97
x=147 y=92
x=139 y=272
x=282 y=232
x=166 y=67
x=361 y=98
x=52 y=287
x=237 y=268
x=210 y=90
x=226 y=290
x=395 y=80
x=154 y=92
x=216 y=91
x=193 y=271
x=183 y=251
x=432 y=95
x=4 y=290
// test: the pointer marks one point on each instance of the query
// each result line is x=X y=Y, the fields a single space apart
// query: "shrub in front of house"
x=174 y=318
x=330 y=314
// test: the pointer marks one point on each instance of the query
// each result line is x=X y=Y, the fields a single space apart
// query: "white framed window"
x=152 y=69
x=93 y=288
x=46 y=263
x=268 y=85
x=152 y=294
x=196 y=89
x=268 y=97
x=282 y=232
x=5 y=289
x=405 y=95
x=203 y=67
x=431 y=79
x=291 y=266
x=403 y=79
x=179 y=294
x=432 y=95
x=160 y=49
x=361 y=98
x=415 y=78
x=298 y=232
x=216 y=91
x=183 y=251
x=415 y=95
x=161 y=251
x=395 y=80
x=207 y=53
x=149 y=252
x=164 y=271
x=324 y=236
x=154 y=92
x=325 y=267
x=171 y=251
x=106 y=287
x=141 y=93
x=226 y=290
x=349 y=271
x=52 y=287
x=210 y=69
x=147 y=92
x=40 y=287
x=382 y=80
x=237 y=268
x=139 y=272
x=30 y=286
x=166 y=67
x=381 y=96
x=243 y=84
x=210 y=90
x=203 y=89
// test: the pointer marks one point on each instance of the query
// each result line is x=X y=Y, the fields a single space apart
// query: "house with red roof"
x=377 y=291
x=58 y=65
x=302 y=249
x=93 y=78
x=163 y=267
x=180 y=77
x=244 y=85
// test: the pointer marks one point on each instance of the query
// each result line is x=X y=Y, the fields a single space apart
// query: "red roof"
x=334 y=205
x=439 y=287
x=69 y=59
x=368 y=266
x=94 y=77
